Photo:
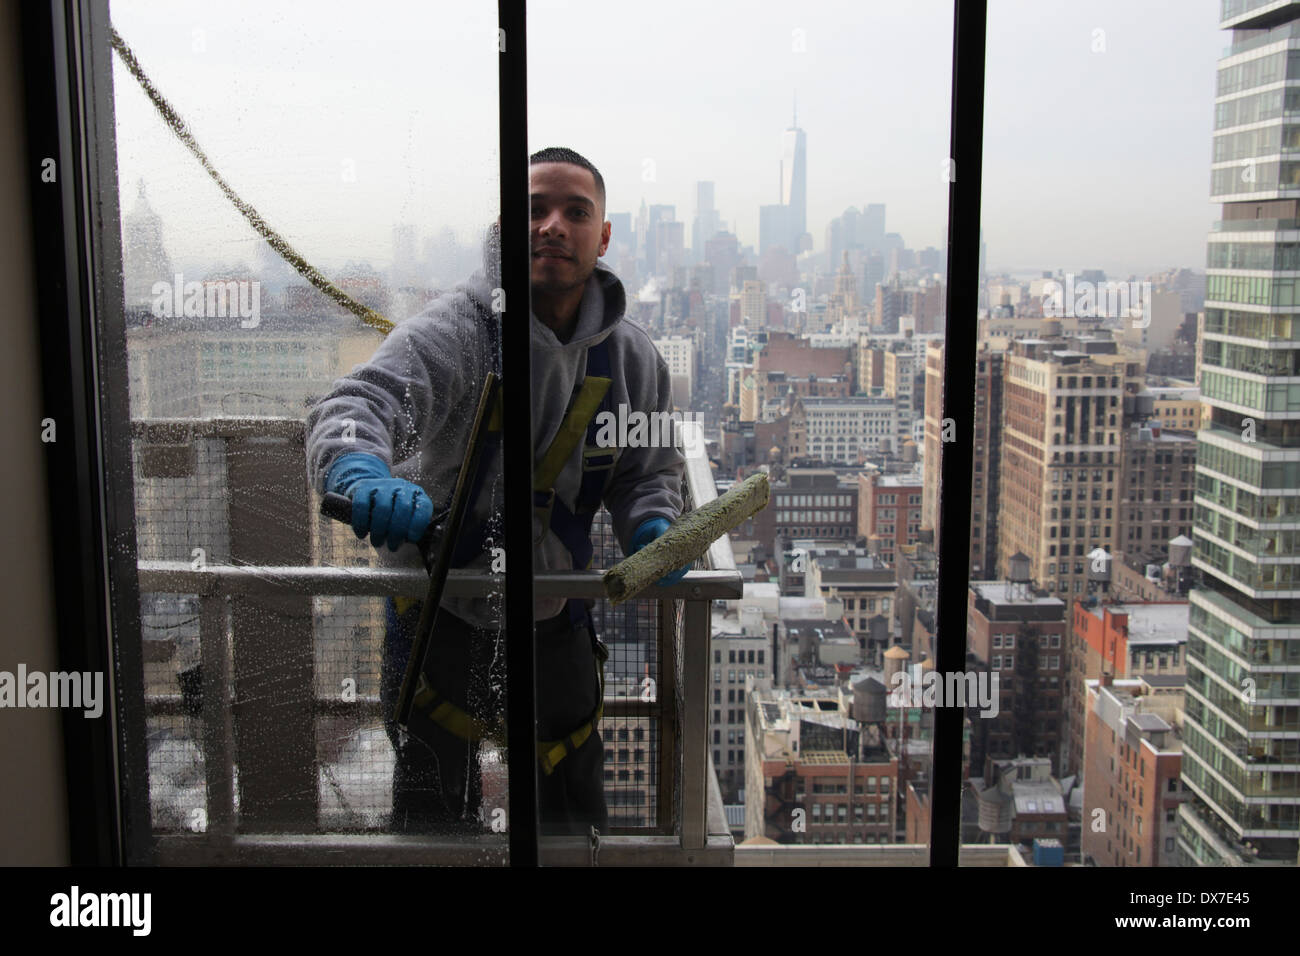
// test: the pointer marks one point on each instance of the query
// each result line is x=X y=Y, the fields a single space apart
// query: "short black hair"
x=562 y=154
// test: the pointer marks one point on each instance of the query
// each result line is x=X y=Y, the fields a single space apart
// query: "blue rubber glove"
x=646 y=532
x=391 y=510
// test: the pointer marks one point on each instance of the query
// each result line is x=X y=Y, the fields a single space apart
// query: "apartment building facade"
x=1242 y=754
x=1131 y=788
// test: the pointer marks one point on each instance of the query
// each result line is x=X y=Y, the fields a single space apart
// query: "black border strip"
x=517 y=439
x=970 y=19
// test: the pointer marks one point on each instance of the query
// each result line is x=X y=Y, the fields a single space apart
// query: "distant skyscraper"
x=668 y=246
x=843 y=233
x=705 y=225
x=620 y=230
x=703 y=196
x=1241 y=741
x=794 y=182
x=871 y=230
x=144 y=260
x=753 y=305
x=659 y=212
x=722 y=252
x=773 y=227
x=642 y=227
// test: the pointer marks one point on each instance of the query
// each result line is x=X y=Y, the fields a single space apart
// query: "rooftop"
x=1004 y=592
x=853 y=401
x=1038 y=797
x=1145 y=432
x=1149 y=722
x=1168 y=393
x=802 y=608
x=1164 y=680
x=914 y=478
x=823 y=757
x=821 y=629
x=1149 y=623
x=854 y=577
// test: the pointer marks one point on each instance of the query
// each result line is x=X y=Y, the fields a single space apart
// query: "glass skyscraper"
x=1241 y=756
x=794 y=182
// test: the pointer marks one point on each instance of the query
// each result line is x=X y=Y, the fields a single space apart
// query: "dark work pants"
x=437 y=786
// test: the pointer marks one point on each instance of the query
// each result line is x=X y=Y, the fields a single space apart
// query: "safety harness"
x=572 y=527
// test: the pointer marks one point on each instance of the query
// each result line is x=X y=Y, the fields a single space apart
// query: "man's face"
x=568 y=228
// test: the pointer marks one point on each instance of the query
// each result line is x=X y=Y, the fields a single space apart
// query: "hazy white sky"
x=338 y=121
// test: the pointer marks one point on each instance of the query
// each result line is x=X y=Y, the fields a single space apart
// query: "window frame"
x=70 y=116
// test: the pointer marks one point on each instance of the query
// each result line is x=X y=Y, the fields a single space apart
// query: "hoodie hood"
x=604 y=300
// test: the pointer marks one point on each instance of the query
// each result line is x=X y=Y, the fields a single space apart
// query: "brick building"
x=889 y=511
x=1020 y=636
x=813 y=773
x=1133 y=759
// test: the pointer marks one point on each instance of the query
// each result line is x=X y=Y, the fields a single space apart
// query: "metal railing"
x=227 y=521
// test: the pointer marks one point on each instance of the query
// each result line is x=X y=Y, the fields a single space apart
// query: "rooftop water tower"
x=1018 y=576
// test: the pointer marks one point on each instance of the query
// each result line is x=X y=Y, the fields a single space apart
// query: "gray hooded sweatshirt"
x=413 y=403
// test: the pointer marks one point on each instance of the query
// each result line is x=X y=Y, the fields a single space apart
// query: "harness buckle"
x=596 y=458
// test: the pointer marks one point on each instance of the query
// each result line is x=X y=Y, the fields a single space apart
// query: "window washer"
x=390 y=436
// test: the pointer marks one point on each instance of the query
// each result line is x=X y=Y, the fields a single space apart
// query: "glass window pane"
x=269 y=704
x=819 y=297
x=1108 y=358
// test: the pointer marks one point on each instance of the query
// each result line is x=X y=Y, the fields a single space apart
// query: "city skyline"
x=337 y=175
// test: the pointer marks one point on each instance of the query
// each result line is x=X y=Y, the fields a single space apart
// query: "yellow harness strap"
x=444 y=713
x=572 y=431
x=549 y=752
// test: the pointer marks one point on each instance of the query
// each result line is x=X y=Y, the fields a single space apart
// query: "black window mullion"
x=517 y=444
x=960 y=338
x=78 y=257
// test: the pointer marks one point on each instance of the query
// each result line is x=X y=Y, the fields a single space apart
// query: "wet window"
x=308 y=304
